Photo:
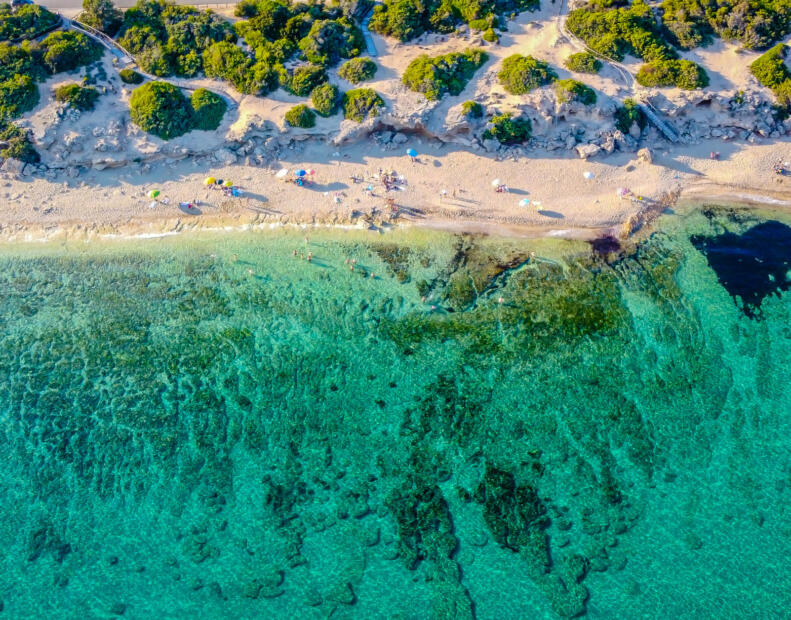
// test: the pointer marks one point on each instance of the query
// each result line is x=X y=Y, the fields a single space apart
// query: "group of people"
x=502 y=188
x=226 y=187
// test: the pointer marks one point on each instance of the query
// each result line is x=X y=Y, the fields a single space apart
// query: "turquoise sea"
x=212 y=427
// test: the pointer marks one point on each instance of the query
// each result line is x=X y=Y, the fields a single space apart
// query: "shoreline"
x=165 y=225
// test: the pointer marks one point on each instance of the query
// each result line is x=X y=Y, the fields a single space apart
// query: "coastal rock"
x=13 y=165
x=585 y=151
x=399 y=138
x=645 y=156
x=571 y=142
x=634 y=131
x=225 y=156
x=491 y=145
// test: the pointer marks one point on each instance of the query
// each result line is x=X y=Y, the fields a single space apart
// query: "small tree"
x=301 y=116
x=209 y=109
x=102 y=15
x=161 y=109
x=358 y=70
x=78 y=97
x=583 y=62
x=361 y=103
x=521 y=74
x=472 y=109
x=508 y=130
x=325 y=99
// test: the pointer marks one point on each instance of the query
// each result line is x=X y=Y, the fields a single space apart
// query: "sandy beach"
x=446 y=188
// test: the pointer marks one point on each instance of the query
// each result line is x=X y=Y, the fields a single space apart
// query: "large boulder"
x=586 y=151
x=13 y=166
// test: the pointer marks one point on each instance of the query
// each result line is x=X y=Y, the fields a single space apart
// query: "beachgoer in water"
x=295 y=252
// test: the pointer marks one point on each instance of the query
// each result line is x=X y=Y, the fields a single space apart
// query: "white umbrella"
x=496 y=182
x=282 y=173
x=588 y=175
x=524 y=202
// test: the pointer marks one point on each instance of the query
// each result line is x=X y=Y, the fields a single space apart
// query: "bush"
x=19 y=60
x=303 y=79
x=360 y=103
x=358 y=70
x=472 y=109
x=770 y=68
x=161 y=109
x=102 y=15
x=325 y=99
x=572 y=90
x=130 y=76
x=15 y=143
x=208 y=109
x=584 y=62
x=508 y=130
x=330 y=40
x=443 y=74
x=491 y=36
x=78 y=97
x=68 y=50
x=679 y=73
x=227 y=61
x=521 y=74
x=628 y=114
x=26 y=22
x=613 y=29
x=301 y=116
x=18 y=95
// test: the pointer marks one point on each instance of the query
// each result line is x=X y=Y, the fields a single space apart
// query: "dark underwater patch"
x=752 y=265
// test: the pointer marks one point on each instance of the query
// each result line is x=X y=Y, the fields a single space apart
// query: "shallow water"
x=215 y=427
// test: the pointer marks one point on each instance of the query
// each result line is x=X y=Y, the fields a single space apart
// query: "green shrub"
x=614 y=29
x=508 y=130
x=329 y=40
x=358 y=70
x=755 y=23
x=770 y=68
x=18 y=95
x=572 y=90
x=407 y=19
x=161 y=109
x=26 y=22
x=583 y=62
x=301 y=116
x=521 y=74
x=68 y=50
x=325 y=99
x=130 y=76
x=78 y=97
x=491 y=36
x=360 y=103
x=472 y=109
x=448 y=73
x=227 y=61
x=628 y=114
x=303 y=79
x=19 y=60
x=679 y=73
x=102 y=15
x=15 y=142
x=208 y=109
x=166 y=38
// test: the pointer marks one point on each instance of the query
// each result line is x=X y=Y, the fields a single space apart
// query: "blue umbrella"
x=411 y=152
x=300 y=173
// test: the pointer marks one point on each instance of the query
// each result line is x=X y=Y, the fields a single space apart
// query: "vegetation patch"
x=358 y=70
x=771 y=71
x=15 y=143
x=628 y=114
x=361 y=103
x=226 y=61
x=161 y=109
x=168 y=39
x=448 y=73
x=102 y=15
x=572 y=90
x=130 y=76
x=78 y=97
x=325 y=99
x=472 y=109
x=301 y=116
x=26 y=22
x=407 y=19
x=208 y=109
x=329 y=40
x=18 y=95
x=302 y=80
x=509 y=130
x=67 y=50
x=679 y=73
x=521 y=74
x=583 y=62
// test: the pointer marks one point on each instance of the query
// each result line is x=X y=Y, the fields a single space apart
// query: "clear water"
x=215 y=428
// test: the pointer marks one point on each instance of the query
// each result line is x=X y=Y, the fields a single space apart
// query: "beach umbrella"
x=209 y=181
x=524 y=202
x=537 y=204
x=300 y=173
x=411 y=152
x=311 y=172
x=496 y=182
x=622 y=191
x=588 y=175
x=153 y=193
x=229 y=184
x=281 y=174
